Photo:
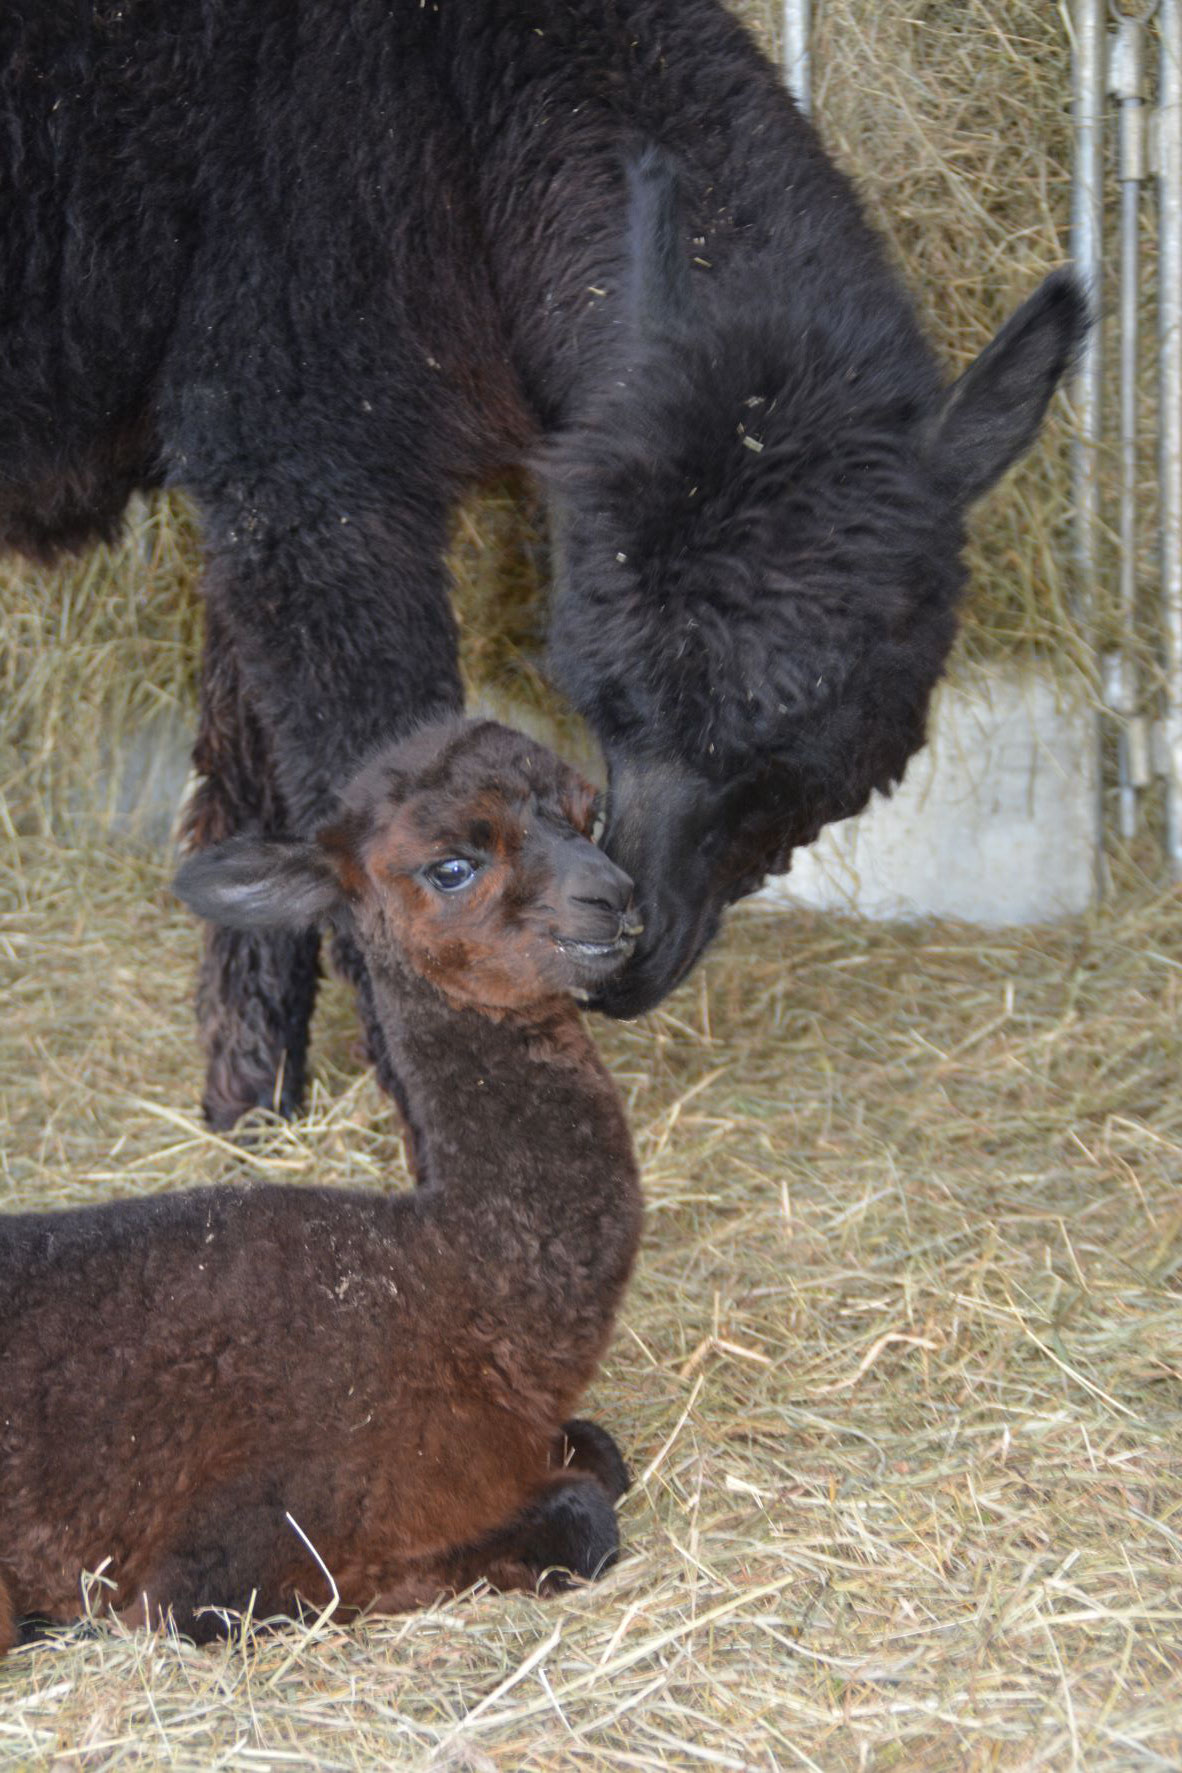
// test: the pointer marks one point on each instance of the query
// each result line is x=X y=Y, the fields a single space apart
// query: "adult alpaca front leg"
x=256 y=989
x=323 y=641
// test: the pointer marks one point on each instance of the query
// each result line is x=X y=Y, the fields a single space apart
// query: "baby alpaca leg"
x=585 y=1447
x=571 y=1530
x=230 y=1555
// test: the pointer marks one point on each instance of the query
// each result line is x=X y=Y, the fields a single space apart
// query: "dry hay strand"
x=898 y=1376
x=97 y=656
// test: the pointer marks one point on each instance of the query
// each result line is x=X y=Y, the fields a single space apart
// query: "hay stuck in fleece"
x=899 y=1375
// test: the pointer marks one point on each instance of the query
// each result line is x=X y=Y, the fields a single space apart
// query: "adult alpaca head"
x=759 y=526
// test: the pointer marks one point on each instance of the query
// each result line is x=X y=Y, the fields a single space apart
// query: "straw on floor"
x=899 y=1376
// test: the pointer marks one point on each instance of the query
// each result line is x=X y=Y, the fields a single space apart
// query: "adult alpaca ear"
x=990 y=416
x=660 y=296
x=256 y=883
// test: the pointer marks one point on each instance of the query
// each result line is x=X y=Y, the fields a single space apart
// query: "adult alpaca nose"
x=602 y=885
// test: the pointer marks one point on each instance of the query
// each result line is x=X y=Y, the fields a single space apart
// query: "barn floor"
x=899 y=1375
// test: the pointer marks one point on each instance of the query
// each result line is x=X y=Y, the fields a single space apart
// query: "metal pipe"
x=1169 y=25
x=798 y=72
x=1087 y=229
x=1127 y=84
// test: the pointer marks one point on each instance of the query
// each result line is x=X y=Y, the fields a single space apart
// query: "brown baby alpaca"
x=189 y=1379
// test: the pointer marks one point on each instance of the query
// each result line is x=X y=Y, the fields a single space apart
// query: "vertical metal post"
x=1169 y=25
x=798 y=72
x=1087 y=230
x=1127 y=84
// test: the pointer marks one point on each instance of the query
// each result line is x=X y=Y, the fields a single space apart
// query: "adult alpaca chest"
x=197 y=1386
x=327 y=266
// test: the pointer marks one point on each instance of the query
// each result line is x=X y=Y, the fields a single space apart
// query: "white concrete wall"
x=995 y=821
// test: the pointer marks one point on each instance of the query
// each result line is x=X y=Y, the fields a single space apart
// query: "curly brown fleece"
x=197 y=1386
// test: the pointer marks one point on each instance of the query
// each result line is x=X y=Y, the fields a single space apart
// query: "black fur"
x=327 y=265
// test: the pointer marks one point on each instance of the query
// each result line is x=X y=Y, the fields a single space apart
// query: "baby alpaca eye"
x=450 y=874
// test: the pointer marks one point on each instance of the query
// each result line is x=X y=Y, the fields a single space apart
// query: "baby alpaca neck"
x=515 y=1111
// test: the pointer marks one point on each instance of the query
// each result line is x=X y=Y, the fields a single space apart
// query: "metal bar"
x=1126 y=705
x=1169 y=25
x=1087 y=230
x=1128 y=87
x=798 y=70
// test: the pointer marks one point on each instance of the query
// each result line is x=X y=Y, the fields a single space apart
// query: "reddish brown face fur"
x=484 y=875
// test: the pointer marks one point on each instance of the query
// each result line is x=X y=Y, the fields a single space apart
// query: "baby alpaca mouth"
x=592 y=963
x=617 y=947
x=620 y=947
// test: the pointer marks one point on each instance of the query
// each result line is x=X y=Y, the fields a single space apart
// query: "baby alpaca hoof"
x=574 y=1531
x=584 y=1446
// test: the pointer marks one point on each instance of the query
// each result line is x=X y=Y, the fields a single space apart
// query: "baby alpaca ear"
x=255 y=883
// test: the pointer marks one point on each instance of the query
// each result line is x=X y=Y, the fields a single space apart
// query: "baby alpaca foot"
x=233 y=1552
x=584 y=1446
x=573 y=1529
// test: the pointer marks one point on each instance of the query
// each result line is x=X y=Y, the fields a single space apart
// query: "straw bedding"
x=900 y=1373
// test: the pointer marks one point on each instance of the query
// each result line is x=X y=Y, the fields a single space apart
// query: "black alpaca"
x=327 y=265
x=184 y=1377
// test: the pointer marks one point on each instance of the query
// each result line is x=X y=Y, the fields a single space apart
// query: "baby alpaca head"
x=463 y=852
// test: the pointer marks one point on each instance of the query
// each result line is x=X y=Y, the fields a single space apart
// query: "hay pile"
x=899 y=1375
x=954 y=118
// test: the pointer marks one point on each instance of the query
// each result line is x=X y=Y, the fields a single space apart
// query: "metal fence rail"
x=1169 y=168
x=796 y=37
x=1112 y=61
